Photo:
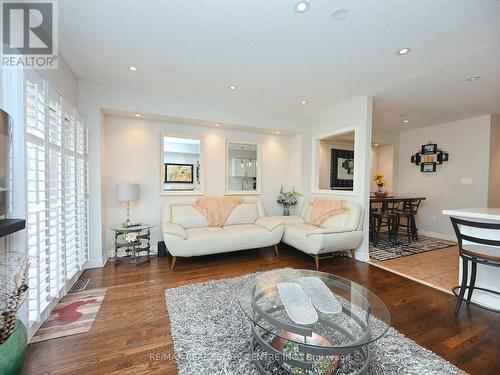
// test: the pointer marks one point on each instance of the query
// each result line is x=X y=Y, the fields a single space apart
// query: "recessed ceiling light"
x=232 y=87
x=217 y=125
x=473 y=78
x=276 y=132
x=137 y=115
x=404 y=51
x=303 y=102
x=132 y=68
x=301 y=6
x=340 y=14
x=375 y=144
x=406 y=121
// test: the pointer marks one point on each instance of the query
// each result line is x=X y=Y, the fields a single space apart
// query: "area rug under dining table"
x=211 y=335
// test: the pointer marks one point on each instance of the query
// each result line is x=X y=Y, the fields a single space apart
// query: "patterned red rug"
x=75 y=313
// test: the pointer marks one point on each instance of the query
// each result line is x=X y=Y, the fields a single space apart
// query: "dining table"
x=389 y=203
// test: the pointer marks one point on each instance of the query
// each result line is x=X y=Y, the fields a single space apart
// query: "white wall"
x=494 y=173
x=468 y=144
x=386 y=138
x=382 y=161
x=94 y=96
x=134 y=155
x=356 y=112
x=63 y=80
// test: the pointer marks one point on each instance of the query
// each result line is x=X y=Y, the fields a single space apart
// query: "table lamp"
x=126 y=193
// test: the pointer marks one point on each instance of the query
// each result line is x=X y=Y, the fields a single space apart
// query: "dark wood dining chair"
x=375 y=221
x=389 y=218
x=477 y=251
x=408 y=212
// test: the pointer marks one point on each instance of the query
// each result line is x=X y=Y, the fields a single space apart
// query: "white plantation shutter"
x=57 y=263
x=37 y=206
x=57 y=202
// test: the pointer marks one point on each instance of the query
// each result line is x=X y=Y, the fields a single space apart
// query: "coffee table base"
x=261 y=348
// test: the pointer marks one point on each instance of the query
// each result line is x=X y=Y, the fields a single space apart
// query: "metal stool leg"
x=472 y=282
x=465 y=272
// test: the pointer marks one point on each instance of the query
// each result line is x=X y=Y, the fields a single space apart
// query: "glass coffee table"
x=335 y=341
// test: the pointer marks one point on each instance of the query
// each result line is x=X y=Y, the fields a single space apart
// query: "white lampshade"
x=128 y=192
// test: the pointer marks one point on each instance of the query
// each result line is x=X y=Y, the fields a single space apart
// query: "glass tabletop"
x=135 y=228
x=363 y=318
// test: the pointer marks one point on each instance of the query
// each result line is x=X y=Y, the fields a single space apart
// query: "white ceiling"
x=277 y=57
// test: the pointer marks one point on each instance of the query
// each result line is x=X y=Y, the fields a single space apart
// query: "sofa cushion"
x=296 y=236
x=188 y=217
x=351 y=219
x=245 y=232
x=337 y=221
x=207 y=234
x=244 y=213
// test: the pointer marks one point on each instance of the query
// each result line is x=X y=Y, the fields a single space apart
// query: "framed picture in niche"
x=429 y=149
x=342 y=169
x=179 y=173
x=428 y=167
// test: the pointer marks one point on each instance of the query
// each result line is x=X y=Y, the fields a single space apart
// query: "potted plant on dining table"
x=380 y=181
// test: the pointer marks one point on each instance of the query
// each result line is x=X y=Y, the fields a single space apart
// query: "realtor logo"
x=29 y=34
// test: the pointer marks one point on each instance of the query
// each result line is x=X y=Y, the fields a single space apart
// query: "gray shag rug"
x=211 y=335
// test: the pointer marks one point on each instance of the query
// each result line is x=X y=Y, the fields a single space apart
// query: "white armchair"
x=338 y=233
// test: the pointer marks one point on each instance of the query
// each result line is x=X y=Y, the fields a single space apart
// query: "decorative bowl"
x=381 y=194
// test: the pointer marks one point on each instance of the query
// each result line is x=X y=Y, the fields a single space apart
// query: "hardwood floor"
x=438 y=268
x=131 y=334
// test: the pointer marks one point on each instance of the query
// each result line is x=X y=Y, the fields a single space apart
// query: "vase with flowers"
x=287 y=199
x=380 y=181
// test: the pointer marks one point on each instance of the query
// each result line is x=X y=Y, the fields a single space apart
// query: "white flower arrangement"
x=288 y=199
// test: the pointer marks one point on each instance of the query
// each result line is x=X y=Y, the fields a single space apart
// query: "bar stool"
x=480 y=251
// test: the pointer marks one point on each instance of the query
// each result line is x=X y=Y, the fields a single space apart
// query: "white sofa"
x=186 y=231
x=338 y=233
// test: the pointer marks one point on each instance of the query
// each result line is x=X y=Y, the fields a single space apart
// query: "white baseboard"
x=441 y=236
x=96 y=263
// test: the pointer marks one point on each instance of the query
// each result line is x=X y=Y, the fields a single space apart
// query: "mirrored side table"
x=133 y=240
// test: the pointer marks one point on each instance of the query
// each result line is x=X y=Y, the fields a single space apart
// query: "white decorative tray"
x=321 y=296
x=297 y=304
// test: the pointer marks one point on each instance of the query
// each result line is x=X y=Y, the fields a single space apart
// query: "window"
x=57 y=193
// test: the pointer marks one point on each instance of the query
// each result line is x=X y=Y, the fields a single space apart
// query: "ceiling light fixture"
x=132 y=68
x=406 y=121
x=375 y=144
x=232 y=87
x=404 y=51
x=303 y=102
x=277 y=133
x=301 y=6
x=340 y=14
x=137 y=115
x=473 y=78
x=217 y=125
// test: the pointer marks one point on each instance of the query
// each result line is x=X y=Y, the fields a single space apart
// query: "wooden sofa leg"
x=353 y=253
x=276 y=249
x=316 y=259
x=174 y=259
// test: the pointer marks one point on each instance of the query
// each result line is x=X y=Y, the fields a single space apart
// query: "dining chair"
x=408 y=211
x=375 y=220
x=477 y=251
x=390 y=219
